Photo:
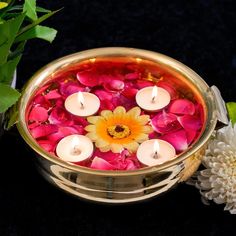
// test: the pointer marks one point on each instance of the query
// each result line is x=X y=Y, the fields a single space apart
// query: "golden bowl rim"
x=61 y=62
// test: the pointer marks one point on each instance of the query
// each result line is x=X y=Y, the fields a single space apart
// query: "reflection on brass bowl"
x=123 y=186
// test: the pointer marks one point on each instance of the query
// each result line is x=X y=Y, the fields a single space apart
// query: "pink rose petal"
x=103 y=95
x=53 y=94
x=178 y=139
x=43 y=130
x=60 y=116
x=61 y=133
x=88 y=78
x=191 y=134
x=129 y=91
x=143 y=83
x=38 y=114
x=47 y=145
x=165 y=122
x=190 y=122
x=182 y=107
x=114 y=85
x=169 y=88
x=42 y=101
x=108 y=156
x=100 y=164
x=71 y=87
x=133 y=75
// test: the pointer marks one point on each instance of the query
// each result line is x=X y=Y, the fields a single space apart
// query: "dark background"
x=201 y=34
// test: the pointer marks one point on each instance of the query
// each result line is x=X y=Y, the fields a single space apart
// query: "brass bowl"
x=120 y=186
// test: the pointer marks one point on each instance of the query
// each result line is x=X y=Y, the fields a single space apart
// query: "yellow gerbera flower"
x=118 y=129
x=3 y=5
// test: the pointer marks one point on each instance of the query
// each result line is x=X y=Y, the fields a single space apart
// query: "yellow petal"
x=106 y=113
x=92 y=136
x=147 y=129
x=116 y=148
x=141 y=138
x=105 y=149
x=143 y=120
x=135 y=111
x=94 y=119
x=90 y=128
x=101 y=143
x=119 y=110
x=133 y=146
x=3 y=5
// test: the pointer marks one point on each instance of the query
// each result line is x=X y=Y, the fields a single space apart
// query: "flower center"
x=118 y=131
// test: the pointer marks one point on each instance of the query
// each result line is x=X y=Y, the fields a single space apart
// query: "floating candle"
x=155 y=152
x=74 y=148
x=152 y=98
x=82 y=104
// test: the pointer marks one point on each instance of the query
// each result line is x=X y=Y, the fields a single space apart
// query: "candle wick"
x=75 y=150
x=155 y=156
x=81 y=105
x=153 y=99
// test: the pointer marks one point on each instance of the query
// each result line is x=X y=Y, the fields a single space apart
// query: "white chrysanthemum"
x=218 y=181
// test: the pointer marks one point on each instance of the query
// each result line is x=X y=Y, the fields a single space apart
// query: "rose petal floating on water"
x=178 y=139
x=61 y=133
x=100 y=164
x=190 y=122
x=53 y=94
x=60 y=116
x=165 y=122
x=114 y=85
x=42 y=101
x=133 y=75
x=108 y=156
x=38 y=114
x=182 y=107
x=103 y=95
x=169 y=88
x=71 y=87
x=43 y=130
x=191 y=134
x=143 y=83
x=129 y=91
x=88 y=78
x=48 y=145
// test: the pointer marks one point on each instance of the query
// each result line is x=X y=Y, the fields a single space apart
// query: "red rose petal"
x=169 y=88
x=143 y=83
x=103 y=95
x=100 y=164
x=165 y=122
x=133 y=75
x=61 y=133
x=114 y=85
x=182 y=107
x=191 y=134
x=47 y=145
x=71 y=87
x=178 y=139
x=60 y=116
x=43 y=130
x=190 y=122
x=129 y=91
x=38 y=114
x=53 y=94
x=88 y=78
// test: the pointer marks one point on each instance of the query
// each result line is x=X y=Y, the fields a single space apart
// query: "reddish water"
x=116 y=81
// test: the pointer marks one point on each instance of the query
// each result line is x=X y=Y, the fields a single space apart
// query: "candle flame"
x=156 y=149
x=81 y=99
x=75 y=146
x=154 y=93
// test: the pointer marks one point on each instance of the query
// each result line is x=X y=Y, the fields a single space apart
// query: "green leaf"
x=8 y=96
x=38 y=31
x=11 y=117
x=17 y=51
x=30 y=9
x=37 y=22
x=231 y=107
x=42 y=10
x=7 y=70
x=9 y=31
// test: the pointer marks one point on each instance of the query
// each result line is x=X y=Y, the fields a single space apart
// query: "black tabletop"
x=201 y=34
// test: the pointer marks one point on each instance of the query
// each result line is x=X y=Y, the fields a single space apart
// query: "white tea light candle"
x=152 y=98
x=82 y=104
x=155 y=152
x=74 y=148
